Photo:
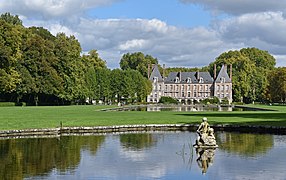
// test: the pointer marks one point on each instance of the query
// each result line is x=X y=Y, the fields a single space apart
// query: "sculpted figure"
x=205 y=134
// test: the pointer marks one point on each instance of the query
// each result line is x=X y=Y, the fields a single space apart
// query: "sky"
x=179 y=33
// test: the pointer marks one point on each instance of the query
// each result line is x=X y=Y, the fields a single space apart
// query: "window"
x=183 y=94
x=166 y=88
x=226 y=87
x=222 y=80
x=189 y=94
x=195 y=88
x=189 y=80
x=201 y=88
x=171 y=87
x=189 y=87
x=201 y=80
x=177 y=80
x=182 y=88
x=207 y=88
x=177 y=88
x=155 y=79
x=159 y=87
x=218 y=87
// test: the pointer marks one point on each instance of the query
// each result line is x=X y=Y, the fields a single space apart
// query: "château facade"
x=190 y=86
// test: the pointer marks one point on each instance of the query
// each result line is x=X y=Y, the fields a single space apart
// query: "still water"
x=187 y=108
x=156 y=155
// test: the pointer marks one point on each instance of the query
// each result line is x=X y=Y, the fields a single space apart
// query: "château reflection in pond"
x=163 y=155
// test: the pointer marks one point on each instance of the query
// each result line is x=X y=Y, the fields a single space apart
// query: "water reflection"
x=205 y=158
x=22 y=158
x=144 y=156
x=137 y=141
x=186 y=108
x=245 y=144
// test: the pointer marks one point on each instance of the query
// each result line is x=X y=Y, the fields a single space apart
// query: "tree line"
x=39 y=68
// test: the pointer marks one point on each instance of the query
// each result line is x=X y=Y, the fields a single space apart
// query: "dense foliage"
x=137 y=61
x=277 y=85
x=167 y=100
x=251 y=67
x=39 y=68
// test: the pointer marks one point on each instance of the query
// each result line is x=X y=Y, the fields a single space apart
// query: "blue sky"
x=171 y=11
x=188 y=33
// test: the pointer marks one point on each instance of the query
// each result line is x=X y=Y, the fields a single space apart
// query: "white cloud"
x=239 y=7
x=262 y=30
x=134 y=44
x=171 y=45
x=51 y=8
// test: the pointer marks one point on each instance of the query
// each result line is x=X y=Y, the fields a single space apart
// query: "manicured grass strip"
x=51 y=117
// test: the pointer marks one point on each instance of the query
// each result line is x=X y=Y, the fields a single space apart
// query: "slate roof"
x=156 y=73
x=223 y=74
x=192 y=75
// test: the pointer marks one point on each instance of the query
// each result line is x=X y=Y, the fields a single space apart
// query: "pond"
x=187 y=108
x=156 y=155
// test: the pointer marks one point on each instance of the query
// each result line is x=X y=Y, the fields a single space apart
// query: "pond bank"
x=67 y=131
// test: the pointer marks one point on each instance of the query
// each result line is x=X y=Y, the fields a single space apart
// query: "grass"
x=52 y=116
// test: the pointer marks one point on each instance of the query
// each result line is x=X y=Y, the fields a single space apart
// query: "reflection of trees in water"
x=22 y=158
x=245 y=144
x=137 y=141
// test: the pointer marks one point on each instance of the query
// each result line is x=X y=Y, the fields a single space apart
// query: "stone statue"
x=206 y=136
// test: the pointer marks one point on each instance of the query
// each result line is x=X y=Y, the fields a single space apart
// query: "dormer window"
x=177 y=80
x=222 y=80
x=189 y=80
x=201 y=80
x=155 y=79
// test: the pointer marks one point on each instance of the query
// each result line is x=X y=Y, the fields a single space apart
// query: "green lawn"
x=51 y=116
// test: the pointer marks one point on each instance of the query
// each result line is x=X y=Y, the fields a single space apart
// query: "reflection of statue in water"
x=205 y=135
x=205 y=158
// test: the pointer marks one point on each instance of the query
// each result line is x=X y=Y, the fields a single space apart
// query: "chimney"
x=230 y=72
x=148 y=71
x=163 y=71
x=198 y=75
x=214 y=71
x=180 y=76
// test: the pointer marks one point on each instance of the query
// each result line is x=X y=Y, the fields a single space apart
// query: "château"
x=190 y=86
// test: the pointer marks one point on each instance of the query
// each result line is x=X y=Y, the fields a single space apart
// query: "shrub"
x=213 y=100
x=7 y=104
x=168 y=100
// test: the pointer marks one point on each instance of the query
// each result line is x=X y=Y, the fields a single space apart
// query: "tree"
x=137 y=61
x=70 y=67
x=92 y=59
x=10 y=53
x=38 y=67
x=250 y=69
x=277 y=85
x=14 y=20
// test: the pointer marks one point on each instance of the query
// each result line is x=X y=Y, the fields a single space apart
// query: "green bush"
x=168 y=100
x=7 y=104
x=225 y=101
x=213 y=100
